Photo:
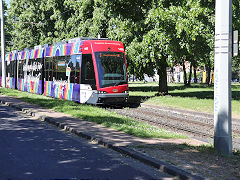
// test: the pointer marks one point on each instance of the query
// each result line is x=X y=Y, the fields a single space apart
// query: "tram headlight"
x=126 y=92
x=102 y=92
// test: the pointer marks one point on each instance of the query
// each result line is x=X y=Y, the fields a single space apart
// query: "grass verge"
x=203 y=160
x=197 y=97
x=94 y=114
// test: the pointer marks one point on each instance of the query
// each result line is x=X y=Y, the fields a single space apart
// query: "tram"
x=91 y=71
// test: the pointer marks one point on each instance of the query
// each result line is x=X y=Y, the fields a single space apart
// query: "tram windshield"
x=111 y=68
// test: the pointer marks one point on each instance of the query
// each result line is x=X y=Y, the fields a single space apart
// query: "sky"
x=7 y=1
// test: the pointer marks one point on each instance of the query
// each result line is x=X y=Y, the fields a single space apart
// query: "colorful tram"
x=87 y=71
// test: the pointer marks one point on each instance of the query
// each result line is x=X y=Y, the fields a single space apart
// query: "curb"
x=160 y=165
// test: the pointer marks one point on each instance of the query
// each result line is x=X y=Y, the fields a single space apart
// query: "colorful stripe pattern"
x=20 y=84
x=57 y=50
x=31 y=54
x=10 y=82
x=64 y=49
x=61 y=90
x=11 y=56
x=48 y=88
x=67 y=91
x=31 y=86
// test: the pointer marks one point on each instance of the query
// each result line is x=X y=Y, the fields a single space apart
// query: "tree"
x=31 y=23
x=156 y=34
x=194 y=23
x=90 y=18
x=7 y=28
x=236 y=26
x=174 y=32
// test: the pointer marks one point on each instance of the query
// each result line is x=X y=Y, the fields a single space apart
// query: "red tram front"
x=109 y=64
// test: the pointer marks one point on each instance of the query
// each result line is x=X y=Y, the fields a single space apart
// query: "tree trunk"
x=133 y=75
x=172 y=75
x=190 y=75
x=185 y=74
x=208 y=69
x=195 y=73
x=162 y=72
x=162 y=88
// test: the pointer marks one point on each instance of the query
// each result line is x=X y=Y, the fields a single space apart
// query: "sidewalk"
x=107 y=137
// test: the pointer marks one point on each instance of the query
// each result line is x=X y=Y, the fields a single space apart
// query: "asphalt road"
x=30 y=149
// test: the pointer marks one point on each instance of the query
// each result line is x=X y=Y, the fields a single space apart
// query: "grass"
x=197 y=97
x=203 y=160
x=187 y=148
x=182 y=147
x=94 y=114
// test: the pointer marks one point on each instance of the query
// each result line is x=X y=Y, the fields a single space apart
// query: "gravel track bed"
x=197 y=117
x=173 y=123
x=193 y=115
x=191 y=119
x=195 y=124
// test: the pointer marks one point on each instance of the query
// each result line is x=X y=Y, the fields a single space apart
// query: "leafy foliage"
x=156 y=34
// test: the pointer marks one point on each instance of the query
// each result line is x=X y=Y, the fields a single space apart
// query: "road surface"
x=31 y=149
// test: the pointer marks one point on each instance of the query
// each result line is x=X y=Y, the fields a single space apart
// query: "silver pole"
x=3 y=47
x=222 y=77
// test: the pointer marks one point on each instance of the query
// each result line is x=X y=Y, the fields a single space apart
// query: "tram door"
x=88 y=81
x=11 y=74
x=73 y=69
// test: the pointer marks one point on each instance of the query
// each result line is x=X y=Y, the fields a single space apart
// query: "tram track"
x=197 y=116
x=192 y=123
x=200 y=121
x=171 y=123
x=173 y=127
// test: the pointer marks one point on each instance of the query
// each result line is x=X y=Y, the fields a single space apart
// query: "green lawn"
x=197 y=97
x=94 y=114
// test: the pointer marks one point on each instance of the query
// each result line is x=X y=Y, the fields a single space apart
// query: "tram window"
x=73 y=63
x=40 y=68
x=35 y=71
x=54 y=67
x=8 y=68
x=45 y=69
x=22 y=72
x=87 y=70
x=14 y=69
x=46 y=65
x=60 y=68
x=36 y=68
x=20 y=69
x=51 y=69
x=77 y=69
x=48 y=69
